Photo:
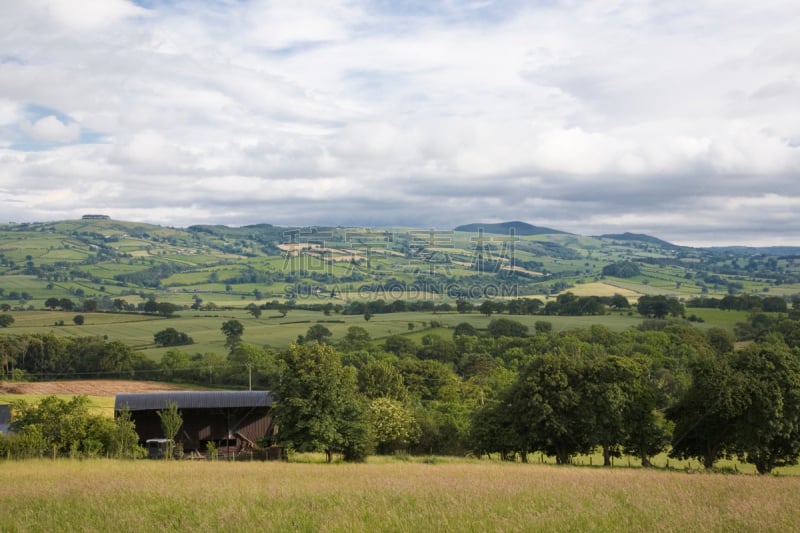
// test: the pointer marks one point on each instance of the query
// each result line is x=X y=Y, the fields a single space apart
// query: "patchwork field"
x=271 y=329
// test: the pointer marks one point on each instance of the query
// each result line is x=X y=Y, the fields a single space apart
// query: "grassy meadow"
x=271 y=329
x=106 y=495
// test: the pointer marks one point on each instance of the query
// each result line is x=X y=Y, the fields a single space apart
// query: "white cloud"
x=85 y=14
x=52 y=130
x=9 y=112
x=570 y=114
x=279 y=25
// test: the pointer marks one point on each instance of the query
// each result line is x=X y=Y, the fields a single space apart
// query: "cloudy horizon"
x=676 y=119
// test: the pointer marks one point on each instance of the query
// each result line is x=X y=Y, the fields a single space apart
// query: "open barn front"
x=234 y=423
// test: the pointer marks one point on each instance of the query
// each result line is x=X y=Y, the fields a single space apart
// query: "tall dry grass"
x=104 y=495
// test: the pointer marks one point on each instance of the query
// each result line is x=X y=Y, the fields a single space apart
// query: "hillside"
x=107 y=264
x=456 y=315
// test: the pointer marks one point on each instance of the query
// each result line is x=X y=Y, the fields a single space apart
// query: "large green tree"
x=505 y=327
x=171 y=337
x=392 y=425
x=549 y=409
x=174 y=364
x=318 y=333
x=233 y=331
x=254 y=310
x=768 y=432
x=380 y=379
x=356 y=338
x=705 y=416
x=117 y=357
x=317 y=405
x=611 y=384
x=258 y=364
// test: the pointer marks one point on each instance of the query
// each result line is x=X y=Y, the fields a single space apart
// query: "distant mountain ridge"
x=262 y=231
x=504 y=228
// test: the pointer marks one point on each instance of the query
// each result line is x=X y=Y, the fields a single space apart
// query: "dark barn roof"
x=153 y=401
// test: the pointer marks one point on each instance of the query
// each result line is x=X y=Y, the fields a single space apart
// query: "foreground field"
x=148 y=496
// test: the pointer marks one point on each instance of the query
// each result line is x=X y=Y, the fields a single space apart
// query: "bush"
x=172 y=337
x=504 y=327
x=211 y=451
x=54 y=427
x=621 y=269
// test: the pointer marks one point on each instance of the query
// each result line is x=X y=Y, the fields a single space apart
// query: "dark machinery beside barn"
x=235 y=422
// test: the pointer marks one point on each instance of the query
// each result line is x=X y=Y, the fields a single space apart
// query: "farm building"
x=234 y=421
x=5 y=419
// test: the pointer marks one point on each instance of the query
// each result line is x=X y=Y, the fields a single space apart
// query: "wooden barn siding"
x=208 y=424
x=256 y=427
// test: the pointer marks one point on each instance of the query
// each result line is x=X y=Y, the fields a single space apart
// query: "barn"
x=234 y=421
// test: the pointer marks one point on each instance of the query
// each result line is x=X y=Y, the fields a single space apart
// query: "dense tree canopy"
x=622 y=269
x=317 y=403
x=318 y=333
x=171 y=337
x=498 y=389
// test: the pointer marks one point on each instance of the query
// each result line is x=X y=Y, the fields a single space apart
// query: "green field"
x=271 y=329
x=107 y=495
x=99 y=404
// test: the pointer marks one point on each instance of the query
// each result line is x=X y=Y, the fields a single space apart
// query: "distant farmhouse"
x=95 y=217
x=232 y=421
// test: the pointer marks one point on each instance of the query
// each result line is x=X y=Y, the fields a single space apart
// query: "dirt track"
x=89 y=387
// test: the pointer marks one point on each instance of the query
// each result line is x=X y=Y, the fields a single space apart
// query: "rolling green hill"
x=122 y=265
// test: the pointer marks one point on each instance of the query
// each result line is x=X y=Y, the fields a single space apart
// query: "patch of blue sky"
x=189 y=5
x=296 y=48
x=487 y=11
x=34 y=112
x=10 y=59
x=23 y=141
x=154 y=4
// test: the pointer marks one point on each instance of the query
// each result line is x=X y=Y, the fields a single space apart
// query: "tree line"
x=664 y=385
x=638 y=392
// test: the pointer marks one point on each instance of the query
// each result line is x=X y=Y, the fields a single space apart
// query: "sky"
x=679 y=119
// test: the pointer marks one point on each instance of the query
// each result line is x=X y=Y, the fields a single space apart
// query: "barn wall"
x=200 y=425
